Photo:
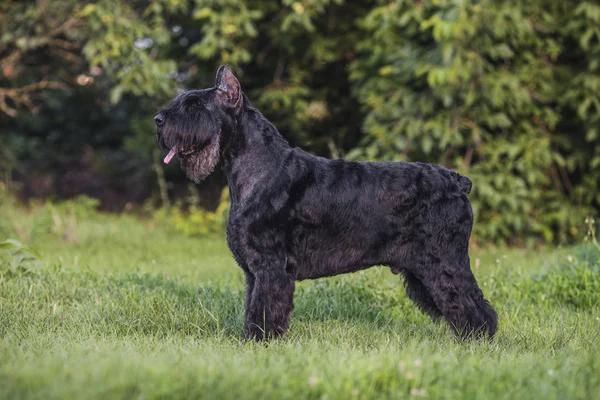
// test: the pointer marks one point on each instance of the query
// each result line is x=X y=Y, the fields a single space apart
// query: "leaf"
x=386 y=70
x=8 y=243
x=116 y=93
x=427 y=144
x=204 y=12
x=16 y=260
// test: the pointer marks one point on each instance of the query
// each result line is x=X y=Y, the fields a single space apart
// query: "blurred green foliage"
x=499 y=91
x=506 y=92
x=195 y=220
x=16 y=258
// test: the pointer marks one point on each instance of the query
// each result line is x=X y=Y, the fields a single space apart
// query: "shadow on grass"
x=200 y=310
x=155 y=305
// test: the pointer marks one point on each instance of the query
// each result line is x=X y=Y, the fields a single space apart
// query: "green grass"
x=119 y=307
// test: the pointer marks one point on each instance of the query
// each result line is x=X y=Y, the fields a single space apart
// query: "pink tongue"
x=171 y=154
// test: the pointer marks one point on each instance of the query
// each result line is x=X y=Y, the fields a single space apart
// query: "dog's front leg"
x=269 y=304
x=249 y=290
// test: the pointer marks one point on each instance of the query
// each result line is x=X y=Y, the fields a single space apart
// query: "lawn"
x=122 y=307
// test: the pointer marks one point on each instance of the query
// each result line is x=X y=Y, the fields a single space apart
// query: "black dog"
x=295 y=216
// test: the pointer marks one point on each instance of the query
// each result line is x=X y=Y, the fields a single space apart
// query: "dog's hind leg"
x=443 y=267
x=269 y=304
x=455 y=292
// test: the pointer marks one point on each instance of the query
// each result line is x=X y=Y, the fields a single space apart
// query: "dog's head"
x=191 y=126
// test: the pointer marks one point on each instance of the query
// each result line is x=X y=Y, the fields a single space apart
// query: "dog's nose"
x=159 y=119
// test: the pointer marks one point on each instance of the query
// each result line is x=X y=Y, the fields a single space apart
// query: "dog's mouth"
x=197 y=158
x=171 y=154
x=179 y=151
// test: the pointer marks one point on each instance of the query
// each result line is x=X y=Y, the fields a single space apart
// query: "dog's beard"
x=198 y=166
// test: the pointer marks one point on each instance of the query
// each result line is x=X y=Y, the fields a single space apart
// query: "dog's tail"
x=465 y=183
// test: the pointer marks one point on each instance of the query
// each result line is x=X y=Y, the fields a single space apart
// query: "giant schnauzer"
x=296 y=216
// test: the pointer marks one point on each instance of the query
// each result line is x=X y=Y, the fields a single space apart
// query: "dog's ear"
x=228 y=88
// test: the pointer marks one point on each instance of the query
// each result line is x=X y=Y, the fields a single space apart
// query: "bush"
x=501 y=91
x=196 y=221
x=507 y=93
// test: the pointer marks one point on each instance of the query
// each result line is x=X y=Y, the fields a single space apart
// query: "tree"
x=477 y=86
x=505 y=92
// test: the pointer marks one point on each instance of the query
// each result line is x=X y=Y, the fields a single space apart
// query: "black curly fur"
x=295 y=216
